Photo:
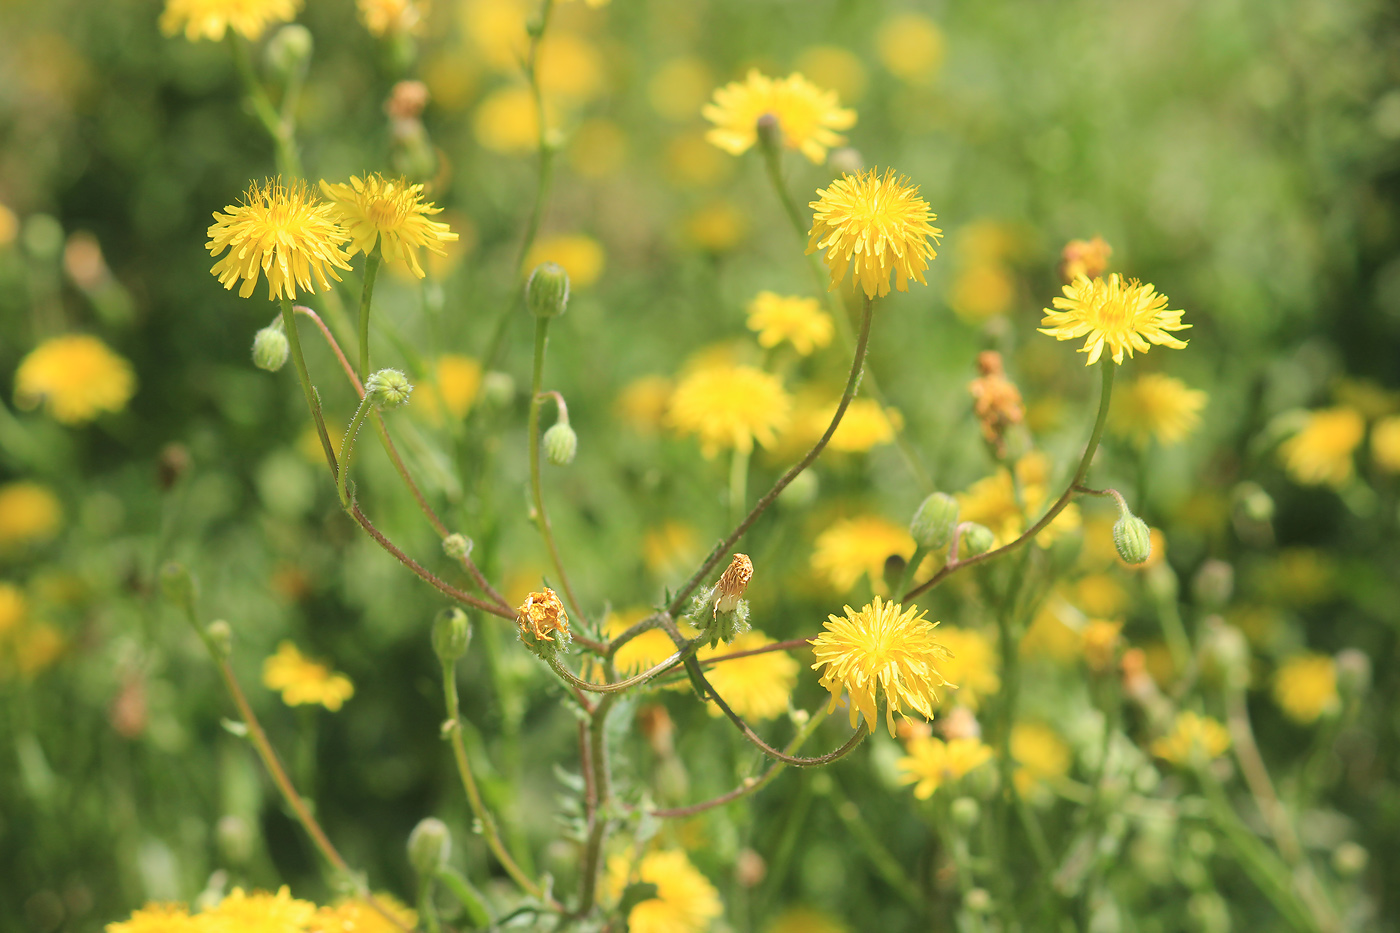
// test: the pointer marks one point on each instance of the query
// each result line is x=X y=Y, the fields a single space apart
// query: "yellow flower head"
x=932 y=762
x=799 y=321
x=29 y=513
x=855 y=546
x=806 y=920
x=1100 y=640
x=286 y=232
x=807 y=116
x=157 y=918
x=1385 y=444
x=1088 y=258
x=757 y=687
x=911 y=46
x=873 y=224
x=643 y=403
x=685 y=901
x=581 y=256
x=76 y=377
x=643 y=652
x=1192 y=735
x=864 y=426
x=303 y=681
x=353 y=915
x=1321 y=451
x=261 y=911
x=1305 y=687
x=1125 y=317
x=391 y=17
x=13 y=607
x=458 y=380
x=729 y=407
x=209 y=19
x=390 y=212
x=883 y=645
x=1156 y=406
x=991 y=501
x=971 y=664
x=1040 y=752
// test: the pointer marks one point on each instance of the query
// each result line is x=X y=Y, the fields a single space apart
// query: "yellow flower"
x=391 y=213
x=729 y=407
x=29 y=513
x=982 y=291
x=1041 y=754
x=284 y=231
x=1321 y=451
x=507 y=121
x=209 y=19
x=855 y=546
x=1156 y=406
x=643 y=652
x=931 y=762
x=76 y=377
x=757 y=687
x=668 y=548
x=9 y=226
x=570 y=68
x=498 y=30
x=386 y=17
x=352 y=915
x=679 y=87
x=991 y=501
x=643 y=403
x=1088 y=258
x=260 y=911
x=581 y=256
x=1305 y=687
x=37 y=647
x=881 y=223
x=13 y=607
x=1385 y=444
x=911 y=47
x=1192 y=735
x=1100 y=639
x=885 y=646
x=302 y=680
x=458 y=380
x=808 y=117
x=971 y=664
x=1123 y=317
x=685 y=901
x=717 y=227
x=157 y=918
x=799 y=321
x=1050 y=636
x=837 y=68
x=864 y=426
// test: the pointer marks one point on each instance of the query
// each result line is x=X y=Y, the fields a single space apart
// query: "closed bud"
x=497 y=389
x=935 y=520
x=976 y=539
x=1132 y=538
x=235 y=838
x=387 y=389
x=769 y=130
x=1214 y=584
x=290 y=49
x=452 y=632
x=429 y=846
x=978 y=901
x=178 y=585
x=547 y=292
x=1225 y=653
x=457 y=546
x=800 y=493
x=1349 y=859
x=1254 y=503
x=220 y=636
x=560 y=444
x=270 y=349
x=846 y=160
x=1353 y=672
x=966 y=812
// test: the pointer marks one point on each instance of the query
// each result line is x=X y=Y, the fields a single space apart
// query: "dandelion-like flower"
x=1123 y=317
x=29 y=513
x=76 y=377
x=855 y=546
x=757 y=687
x=386 y=17
x=1041 y=754
x=882 y=646
x=971 y=664
x=283 y=231
x=1322 y=451
x=1385 y=444
x=808 y=117
x=210 y=19
x=874 y=224
x=1156 y=406
x=157 y=918
x=729 y=407
x=353 y=915
x=541 y=614
x=1088 y=258
x=1192 y=735
x=1305 y=687
x=864 y=426
x=390 y=212
x=1100 y=640
x=685 y=901
x=302 y=681
x=267 y=913
x=932 y=762
x=799 y=321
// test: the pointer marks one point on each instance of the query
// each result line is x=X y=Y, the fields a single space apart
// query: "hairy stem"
x=366 y=298
x=313 y=400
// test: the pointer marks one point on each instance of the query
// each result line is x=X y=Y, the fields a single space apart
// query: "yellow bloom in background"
x=1109 y=313
x=210 y=19
x=390 y=212
x=37 y=647
x=643 y=652
x=1385 y=444
x=1305 y=687
x=29 y=513
x=685 y=901
x=9 y=226
x=644 y=401
x=691 y=162
x=882 y=646
x=76 y=377
x=498 y=30
x=506 y=120
x=911 y=46
x=864 y=426
x=717 y=227
x=806 y=920
x=1050 y=635
x=1100 y=595
x=757 y=687
x=932 y=762
x=729 y=407
x=13 y=607
x=873 y=225
x=837 y=68
x=991 y=501
x=1192 y=734
x=1088 y=258
x=1322 y=451
x=855 y=546
x=808 y=117
x=598 y=148
x=458 y=380
x=971 y=665
x=392 y=17
x=680 y=86
x=352 y=915
x=158 y=918
x=670 y=548
x=261 y=911
x=285 y=232
x=1041 y=754
x=570 y=69
x=1157 y=406
x=304 y=681
x=982 y=291
x=1101 y=638
x=799 y=321
x=581 y=256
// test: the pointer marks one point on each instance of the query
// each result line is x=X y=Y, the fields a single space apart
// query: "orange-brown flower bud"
x=1084 y=257
x=541 y=614
x=732 y=583
x=995 y=400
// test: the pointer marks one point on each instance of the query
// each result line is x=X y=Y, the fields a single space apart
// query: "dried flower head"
x=542 y=613
x=392 y=213
x=285 y=232
x=210 y=19
x=873 y=225
x=732 y=583
x=995 y=400
x=807 y=117
x=1088 y=258
x=1124 y=317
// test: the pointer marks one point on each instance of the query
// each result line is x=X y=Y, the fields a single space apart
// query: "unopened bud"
x=1132 y=538
x=457 y=546
x=978 y=901
x=220 y=636
x=976 y=539
x=935 y=520
x=769 y=130
x=1353 y=672
x=560 y=444
x=178 y=585
x=429 y=846
x=289 y=49
x=1254 y=503
x=387 y=389
x=1214 y=583
x=1225 y=652
x=966 y=812
x=846 y=160
x=271 y=349
x=452 y=632
x=547 y=292
x=235 y=838
x=801 y=492
x=1349 y=859
x=497 y=389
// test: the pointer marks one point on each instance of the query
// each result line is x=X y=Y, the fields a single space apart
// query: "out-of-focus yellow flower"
x=1100 y=595
x=806 y=920
x=837 y=68
x=729 y=407
x=855 y=546
x=991 y=501
x=982 y=291
x=506 y=120
x=680 y=87
x=352 y=915
x=717 y=227
x=911 y=46
x=971 y=666
x=1154 y=405
x=1385 y=444
x=864 y=426
x=757 y=687
x=9 y=226
x=13 y=607
x=303 y=681
x=873 y=225
x=1192 y=735
x=1049 y=636
x=685 y=901
x=882 y=646
x=210 y=19
x=644 y=401
x=76 y=377
x=1041 y=754
x=1123 y=317
x=598 y=148
x=458 y=380
x=29 y=513
x=670 y=548
x=808 y=117
x=1305 y=687
x=258 y=911
x=392 y=17
x=285 y=232
x=643 y=652
x=932 y=762
x=691 y=162
x=1322 y=451
x=581 y=256
x=1088 y=258
x=392 y=213
x=36 y=648
x=158 y=918
x=1101 y=638
x=569 y=68
x=497 y=29
x=799 y=321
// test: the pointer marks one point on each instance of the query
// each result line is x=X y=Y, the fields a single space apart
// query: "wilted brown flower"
x=542 y=613
x=1088 y=258
x=732 y=583
x=995 y=400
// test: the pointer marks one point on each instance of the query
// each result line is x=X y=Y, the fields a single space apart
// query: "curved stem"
x=602 y=796
x=313 y=401
x=347 y=450
x=366 y=298
x=680 y=657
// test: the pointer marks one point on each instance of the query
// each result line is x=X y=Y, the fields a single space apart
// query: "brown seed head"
x=542 y=613
x=732 y=583
x=1084 y=257
x=995 y=400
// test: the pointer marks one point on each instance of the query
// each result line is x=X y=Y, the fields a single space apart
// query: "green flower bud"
x=429 y=846
x=1353 y=672
x=452 y=632
x=560 y=444
x=769 y=130
x=547 y=292
x=271 y=349
x=800 y=493
x=978 y=901
x=1224 y=653
x=935 y=520
x=1213 y=584
x=1349 y=859
x=1254 y=503
x=235 y=838
x=220 y=636
x=387 y=389
x=457 y=546
x=966 y=812
x=1132 y=537
x=497 y=389
x=976 y=539
x=289 y=49
x=178 y=585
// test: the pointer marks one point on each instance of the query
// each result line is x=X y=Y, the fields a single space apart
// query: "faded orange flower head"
x=542 y=613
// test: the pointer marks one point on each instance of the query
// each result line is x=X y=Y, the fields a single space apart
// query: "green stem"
x=738 y=483
x=885 y=864
x=602 y=790
x=347 y=449
x=366 y=297
x=277 y=127
x=911 y=567
x=313 y=400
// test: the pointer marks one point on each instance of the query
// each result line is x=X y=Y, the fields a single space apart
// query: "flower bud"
x=452 y=632
x=497 y=389
x=1254 y=503
x=800 y=493
x=387 y=389
x=560 y=444
x=220 y=636
x=935 y=520
x=544 y=625
x=978 y=900
x=1214 y=583
x=1225 y=653
x=547 y=292
x=178 y=585
x=1349 y=859
x=236 y=839
x=290 y=49
x=1132 y=538
x=429 y=846
x=270 y=349
x=769 y=130
x=457 y=546
x=1353 y=672
x=976 y=539
x=846 y=160
x=966 y=812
